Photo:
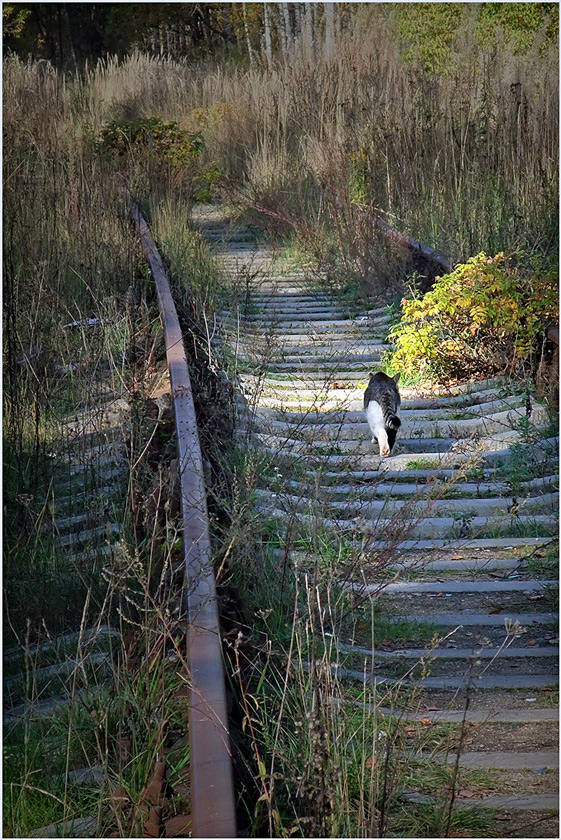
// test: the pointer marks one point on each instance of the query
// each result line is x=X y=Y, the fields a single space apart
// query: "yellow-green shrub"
x=165 y=139
x=484 y=317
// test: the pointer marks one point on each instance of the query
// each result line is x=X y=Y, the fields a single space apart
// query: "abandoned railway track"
x=212 y=793
x=454 y=533
x=86 y=499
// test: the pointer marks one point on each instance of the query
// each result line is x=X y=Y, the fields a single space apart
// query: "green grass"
x=433 y=777
x=36 y=757
x=522 y=464
x=47 y=592
x=550 y=700
x=132 y=704
x=371 y=625
x=541 y=567
x=191 y=263
x=421 y=464
x=45 y=588
x=530 y=528
x=431 y=820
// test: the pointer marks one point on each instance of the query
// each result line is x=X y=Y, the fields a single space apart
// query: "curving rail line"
x=212 y=795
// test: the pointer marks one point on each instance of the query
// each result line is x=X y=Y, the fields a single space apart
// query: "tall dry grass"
x=70 y=254
x=68 y=251
x=466 y=160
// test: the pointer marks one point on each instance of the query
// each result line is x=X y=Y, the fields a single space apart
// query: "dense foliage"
x=164 y=138
x=484 y=317
x=429 y=31
x=70 y=34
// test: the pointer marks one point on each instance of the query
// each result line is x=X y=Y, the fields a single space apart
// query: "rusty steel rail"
x=212 y=793
x=553 y=334
x=439 y=260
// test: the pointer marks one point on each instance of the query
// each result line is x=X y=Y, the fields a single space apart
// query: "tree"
x=14 y=21
x=329 y=15
x=286 y=27
x=73 y=33
x=268 y=40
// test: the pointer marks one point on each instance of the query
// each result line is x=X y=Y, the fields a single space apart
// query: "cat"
x=381 y=404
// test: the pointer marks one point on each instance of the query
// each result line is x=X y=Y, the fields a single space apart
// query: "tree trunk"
x=329 y=16
x=59 y=22
x=70 y=39
x=307 y=37
x=268 y=40
x=286 y=27
x=247 y=38
x=154 y=42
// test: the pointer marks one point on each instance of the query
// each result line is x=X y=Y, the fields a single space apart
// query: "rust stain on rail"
x=212 y=796
x=553 y=334
x=439 y=260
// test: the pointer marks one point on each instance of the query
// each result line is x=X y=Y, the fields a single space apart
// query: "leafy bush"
x=205 y=183
x=484 y=317
x=430 y=32
x=164 y=138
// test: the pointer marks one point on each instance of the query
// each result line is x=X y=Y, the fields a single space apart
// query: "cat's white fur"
x=375 y=419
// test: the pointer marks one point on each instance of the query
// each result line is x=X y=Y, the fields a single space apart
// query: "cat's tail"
x=392 y=421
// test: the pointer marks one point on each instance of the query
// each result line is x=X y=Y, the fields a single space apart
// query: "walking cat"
x=381 y=404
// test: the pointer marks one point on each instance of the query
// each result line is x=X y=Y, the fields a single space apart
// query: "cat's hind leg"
x=383 y=443
x=375 y=419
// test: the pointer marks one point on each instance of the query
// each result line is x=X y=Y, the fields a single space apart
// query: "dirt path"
x=466 y=506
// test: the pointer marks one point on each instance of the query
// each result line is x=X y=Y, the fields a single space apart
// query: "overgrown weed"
x=81 y=351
